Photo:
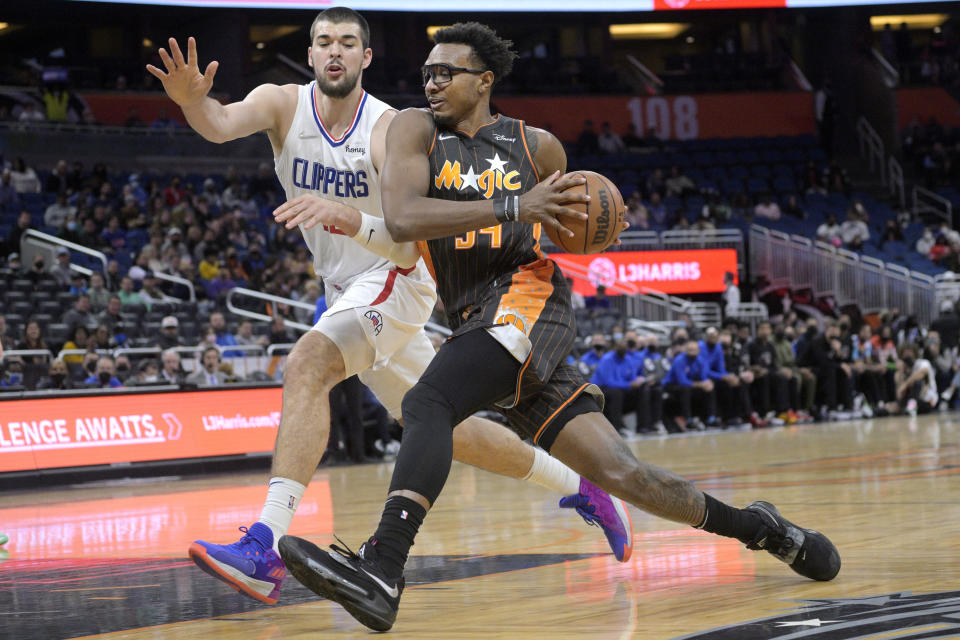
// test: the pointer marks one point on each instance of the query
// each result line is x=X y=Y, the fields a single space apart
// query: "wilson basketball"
x=604 y=217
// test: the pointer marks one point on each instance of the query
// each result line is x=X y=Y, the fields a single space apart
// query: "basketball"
x=604 y=217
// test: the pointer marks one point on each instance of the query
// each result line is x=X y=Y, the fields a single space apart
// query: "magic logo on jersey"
x=329 y=180
x=486 y=184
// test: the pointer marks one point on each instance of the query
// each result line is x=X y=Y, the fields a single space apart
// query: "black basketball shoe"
x=352 y=580
x=808 y=552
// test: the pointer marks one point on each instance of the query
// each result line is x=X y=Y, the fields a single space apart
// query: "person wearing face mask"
x=689 y=392
x=104 y=376
x=916 y=384
x=736 y=360
x=589 y=360
x=823 y=356
x=653 y=367
x=148 y=372
x=618 y=377
x=869 y=374
x=806 y=382
x=56 y=377
x=12 y=378
x=733 y=397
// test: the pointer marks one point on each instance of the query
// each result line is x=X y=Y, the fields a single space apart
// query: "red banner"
x=924 y=103
x=670 y=5
x=68 y=432
x=689 y=271
x=726 y=115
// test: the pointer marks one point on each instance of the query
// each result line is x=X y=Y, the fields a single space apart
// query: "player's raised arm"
x=411 y=215
x=186 y=86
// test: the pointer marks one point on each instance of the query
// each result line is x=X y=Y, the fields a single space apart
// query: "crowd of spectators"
x=786 y=372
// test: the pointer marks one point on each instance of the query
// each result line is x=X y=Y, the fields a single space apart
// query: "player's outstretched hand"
x=183 y=81
x=547 y=200
x=310 y=210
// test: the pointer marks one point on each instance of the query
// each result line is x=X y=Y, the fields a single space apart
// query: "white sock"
x=283 y=498
x=551 y=473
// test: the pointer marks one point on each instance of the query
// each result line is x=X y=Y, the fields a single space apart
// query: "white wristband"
x=373 y=236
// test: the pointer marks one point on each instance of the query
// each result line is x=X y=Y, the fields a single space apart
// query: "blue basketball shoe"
x=250 y=565
x=600 y=509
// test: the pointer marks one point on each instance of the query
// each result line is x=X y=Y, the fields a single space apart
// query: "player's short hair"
x=339 y=15
x=495 y=53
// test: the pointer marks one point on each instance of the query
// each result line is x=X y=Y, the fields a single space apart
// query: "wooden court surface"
x=497 y=559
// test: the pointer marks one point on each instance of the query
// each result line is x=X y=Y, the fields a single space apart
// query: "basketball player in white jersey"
x=328 y=140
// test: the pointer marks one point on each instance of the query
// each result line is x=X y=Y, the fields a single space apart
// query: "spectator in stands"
x=811 y=181
x=174 y=193
x=12 y=379
x=163 y=121
x=591 y=358
x=77 y=342
x=57 y=181
x=783 y=338
x=175 y=240
x=587 y=142
x=618 y=376
x=944 y=361
x=891 y=233
x=311 y=293
x=80 y=313
x=24 y=178
x=854 y=231
x=657 y=211
x=172 y=372
x=731 y=295
x=223 y=337
x=793 y=208
x=823 y=356
x=129 y=297
x=244 y=335
x=737 y=360
x=112 y=276
x=208 y=374
x=113 y=236
x=150 y=293
x=6 y=340
x=829 y=231
x=916 y=384
x=122 y=367
x=631 y=140
x=679 y=184
x=733 y=399
x=148 y=372
x=209 y=267
x=656 y=183
x=776 y=396
x=218 y=288
x=57 y=213
x=99 y=296
x=78 y=284
x=169 y=333
x=61 y=269
x=133 y=116
x=104 y=375
x=767 y=208
x=8 y=195
x=599 y=300
x=57 y=378
x=690 y=391
x=279 y=334
x=608 y=141
x=947 y=324
x=32 y=340
x=925 y=242
x=30 y=113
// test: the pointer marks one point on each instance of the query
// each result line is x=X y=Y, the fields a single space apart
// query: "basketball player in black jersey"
x=471 y=188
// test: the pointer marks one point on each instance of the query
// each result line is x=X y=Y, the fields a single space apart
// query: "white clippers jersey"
x=312 y=161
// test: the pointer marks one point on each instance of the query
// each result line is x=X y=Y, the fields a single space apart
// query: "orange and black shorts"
x=536 y=299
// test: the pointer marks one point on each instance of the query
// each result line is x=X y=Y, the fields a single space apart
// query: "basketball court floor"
x=497 y=559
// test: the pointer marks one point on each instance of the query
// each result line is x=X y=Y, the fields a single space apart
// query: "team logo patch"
x=904 y=615
x=376 y=320
x=506 y=315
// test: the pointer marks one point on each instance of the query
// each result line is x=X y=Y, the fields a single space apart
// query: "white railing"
x=926 y=201
x=849 y=278
x=45 y=240
x=871 y=148
x=891 y=77
x=895 y=181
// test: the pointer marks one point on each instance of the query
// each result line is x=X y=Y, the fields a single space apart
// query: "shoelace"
x=776 y=543
x=345 y=550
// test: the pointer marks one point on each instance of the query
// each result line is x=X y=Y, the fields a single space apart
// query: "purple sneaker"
x=600 y=509
x=250 y=566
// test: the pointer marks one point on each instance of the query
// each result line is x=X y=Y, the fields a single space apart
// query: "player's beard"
x=340 y=88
